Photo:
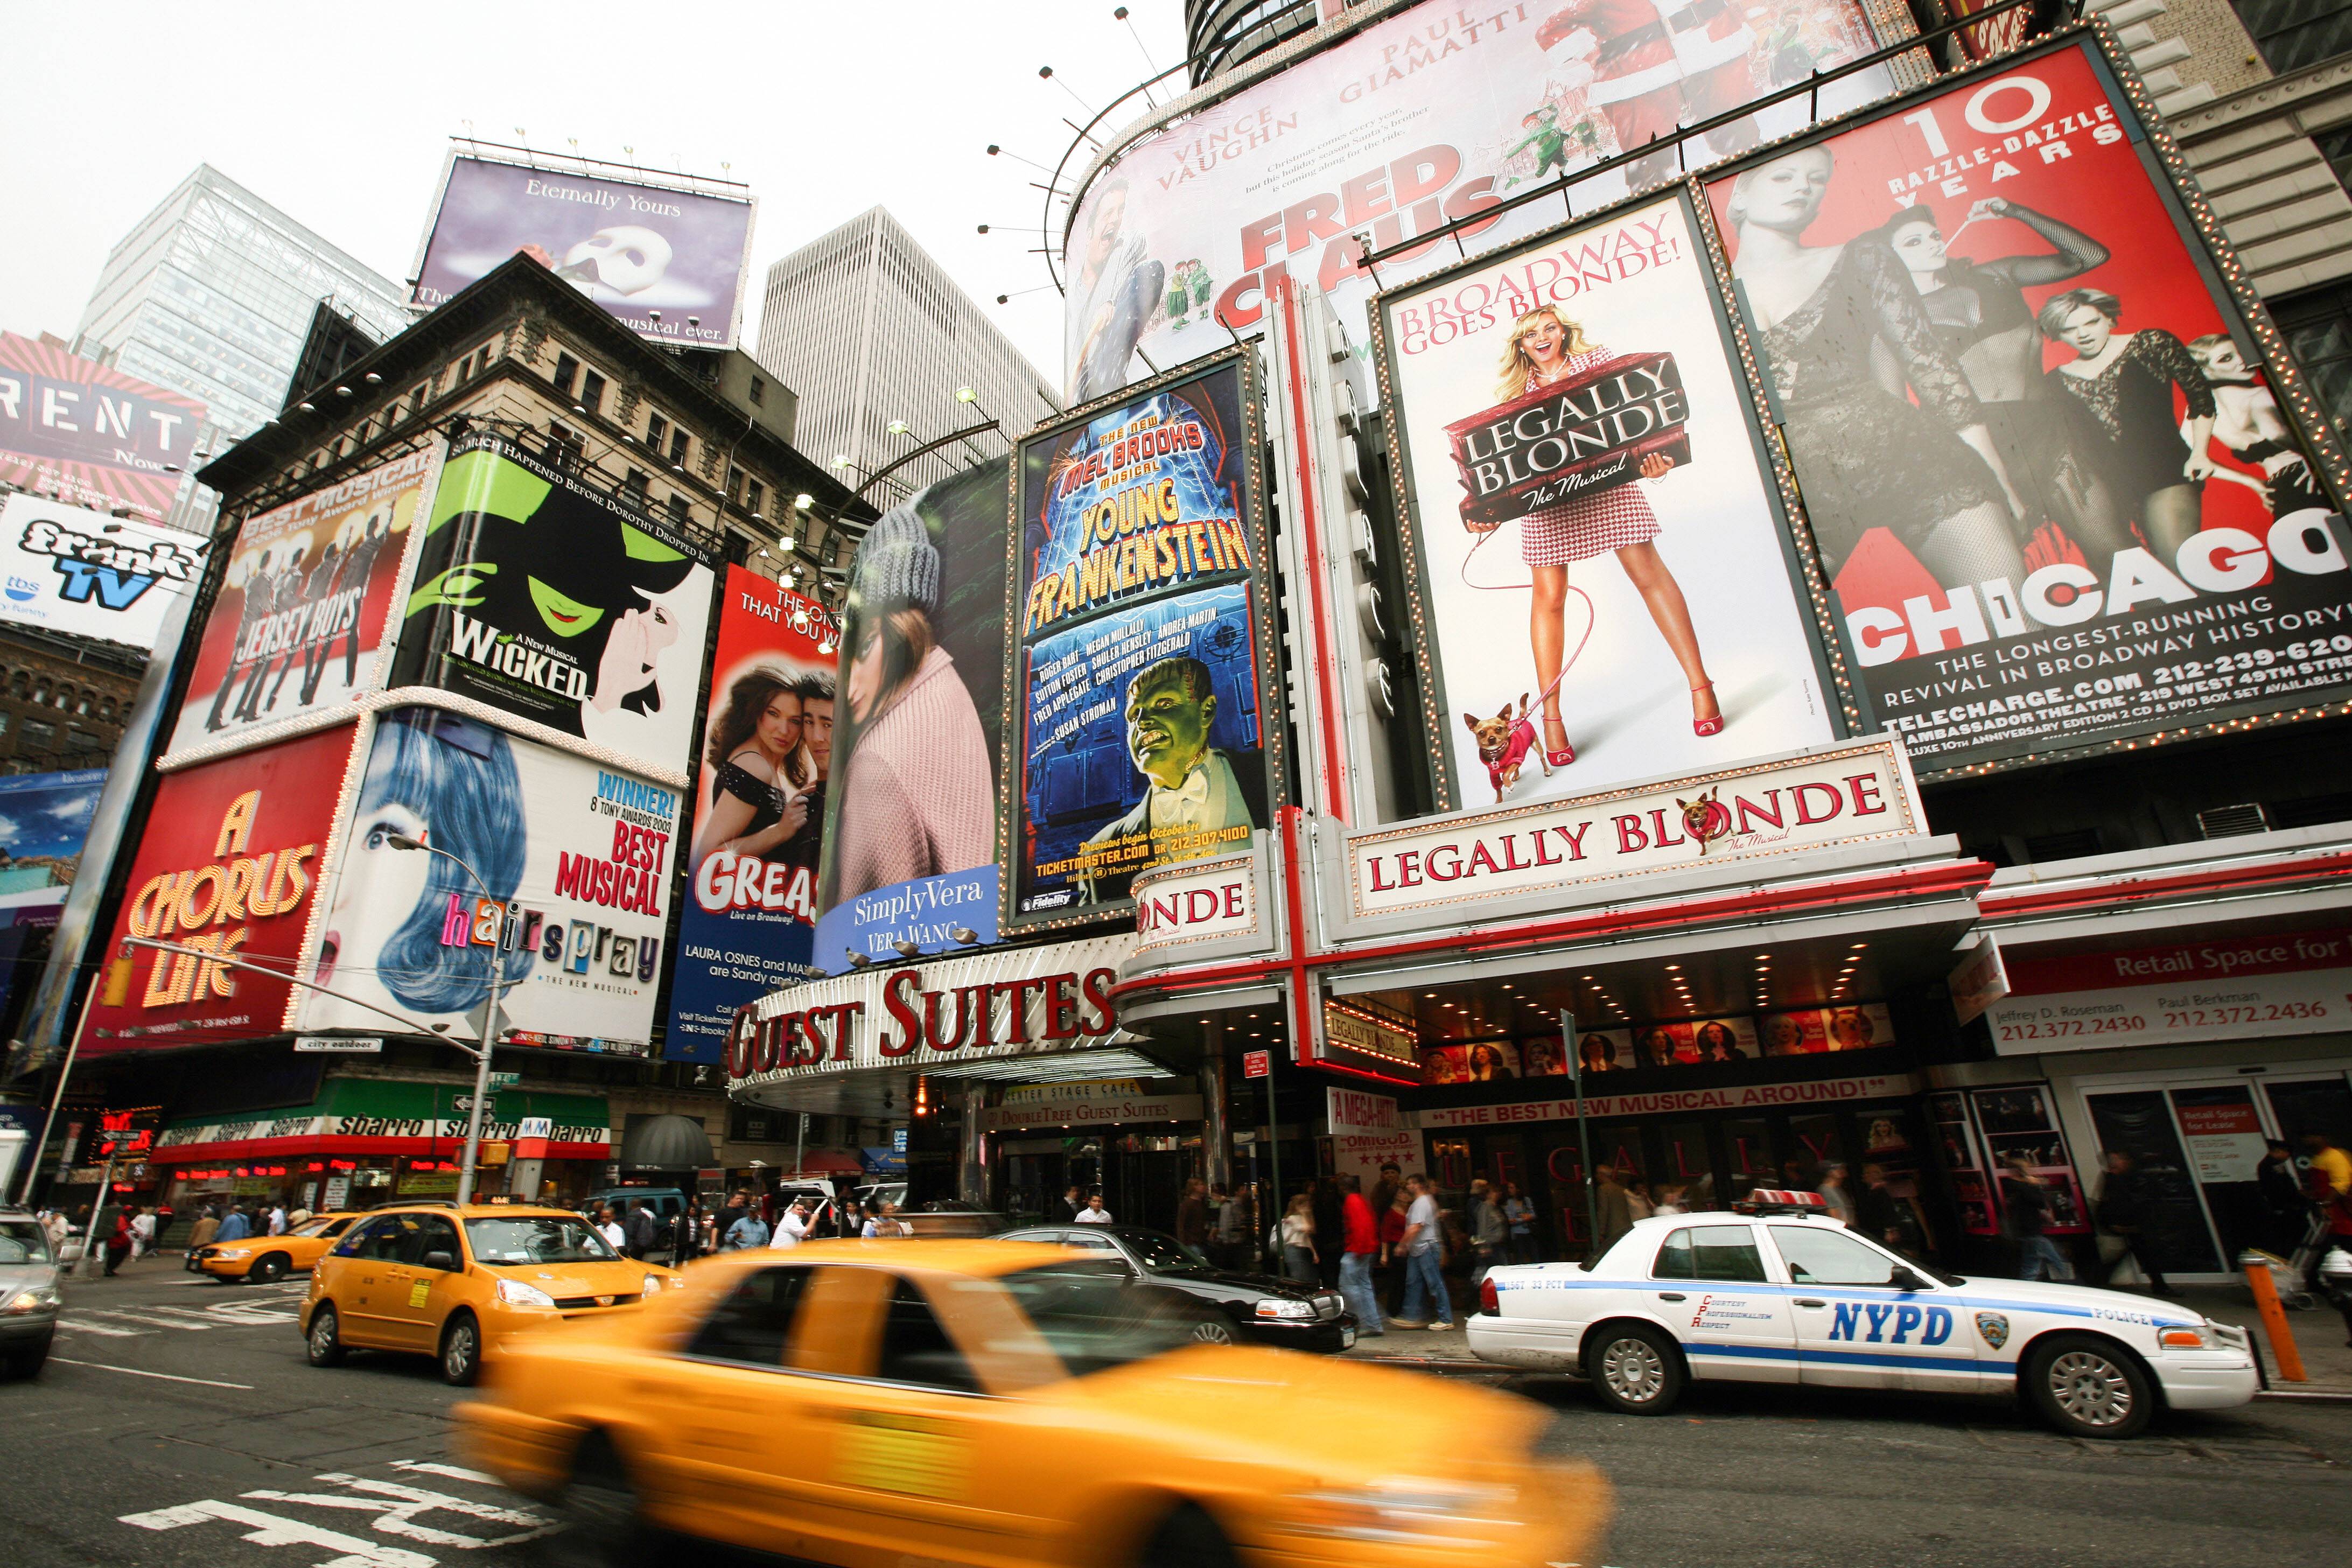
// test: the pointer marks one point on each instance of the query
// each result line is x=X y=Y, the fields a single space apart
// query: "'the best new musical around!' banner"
x=1139 y=647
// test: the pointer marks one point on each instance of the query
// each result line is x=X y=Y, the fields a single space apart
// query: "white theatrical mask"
x=627 y=259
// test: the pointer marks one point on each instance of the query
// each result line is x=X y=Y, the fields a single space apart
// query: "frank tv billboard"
x=2052 y=470
x=669 y=264
x=66 y=568
x=90 y=435
x=1139 y=662
x=1428 y=116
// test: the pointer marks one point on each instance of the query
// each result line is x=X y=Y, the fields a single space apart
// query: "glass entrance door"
x=2175 y=1228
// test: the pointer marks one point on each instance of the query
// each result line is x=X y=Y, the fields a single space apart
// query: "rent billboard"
x=1608 y=585
x=573 y=863
x=910 y=836
x=746 y=923
x=2054 y=473
x=1139 y=666
x=669 y=264
x=549 y=599
x=299 y=624
x=1428 y=116
x=88 y=435
x=69 y=569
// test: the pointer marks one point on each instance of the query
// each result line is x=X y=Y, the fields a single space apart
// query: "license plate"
x=1347 y=1338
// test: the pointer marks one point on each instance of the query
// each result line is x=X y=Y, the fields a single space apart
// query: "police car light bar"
x=1776 y=1200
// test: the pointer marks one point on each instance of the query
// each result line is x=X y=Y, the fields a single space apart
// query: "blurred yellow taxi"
x=983 y=1402
x=262 y=1259
x=461 y=1283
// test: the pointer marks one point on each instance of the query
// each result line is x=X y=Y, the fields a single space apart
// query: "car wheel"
x=1634 y=1369
x=1189 y=1538
x=601 y=1524
x=27 y=1363
x=461 y=1352
x=267 y=1270
x=324 y=1344
x=1213 y=1331
x=2088 y=1387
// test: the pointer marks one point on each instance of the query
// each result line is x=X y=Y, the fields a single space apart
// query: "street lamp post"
x=489 y=1025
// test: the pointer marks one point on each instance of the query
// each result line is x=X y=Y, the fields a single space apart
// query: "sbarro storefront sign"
x=1842 y=795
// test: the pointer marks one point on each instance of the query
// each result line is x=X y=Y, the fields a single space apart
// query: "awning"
x=385 y=1116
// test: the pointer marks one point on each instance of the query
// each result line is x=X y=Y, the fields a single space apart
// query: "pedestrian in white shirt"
x=609 y=1227
x=793 y=1227
x=1094 y=1212
x=277 y=1219
x=142 y=1234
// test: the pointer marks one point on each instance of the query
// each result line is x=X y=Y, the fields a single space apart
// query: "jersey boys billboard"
x=1608 y=585
x=1139 y=657
x=1429 y=116
x=300 y=623
x=2049 y=471
x=541 y=596
x=745 y=925
x=69 y=570
x=89 y=435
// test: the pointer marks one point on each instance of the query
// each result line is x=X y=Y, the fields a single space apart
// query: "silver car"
x=29 y=1294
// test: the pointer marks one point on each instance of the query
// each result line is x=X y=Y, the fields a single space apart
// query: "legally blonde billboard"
x=1608 y=585
x=2051 y=474
x=1431 y=115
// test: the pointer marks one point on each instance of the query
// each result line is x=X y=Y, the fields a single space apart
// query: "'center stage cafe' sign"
x=1026 y=1002
x=1821 y=799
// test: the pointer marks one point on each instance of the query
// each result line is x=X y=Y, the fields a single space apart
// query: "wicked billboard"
x=550 y=600
x=2056 y=475
x=1138 y=664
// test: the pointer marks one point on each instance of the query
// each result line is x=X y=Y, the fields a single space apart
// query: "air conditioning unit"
x=2232 y=821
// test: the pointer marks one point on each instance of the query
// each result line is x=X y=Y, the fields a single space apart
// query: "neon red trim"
x=1310 y=524
x=312 y=1147
x=2137 y=891
x=1294 y=903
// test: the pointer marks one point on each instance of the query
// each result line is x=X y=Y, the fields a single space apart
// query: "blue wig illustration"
x=458 y=779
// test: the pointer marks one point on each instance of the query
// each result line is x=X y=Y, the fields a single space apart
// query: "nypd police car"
x=1783 y=1293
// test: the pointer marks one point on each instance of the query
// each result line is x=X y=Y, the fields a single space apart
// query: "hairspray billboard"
x=1429 y=115
x=557 y=868
x=910 y=835
x=301 y=621
x=1610 y=590
x=1140 y=660
x=745 y=925
x=88 y=435
x=549 y=599
x=2062 y=482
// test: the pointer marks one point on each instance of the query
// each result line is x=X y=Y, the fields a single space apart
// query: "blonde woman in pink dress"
x=1545 y=347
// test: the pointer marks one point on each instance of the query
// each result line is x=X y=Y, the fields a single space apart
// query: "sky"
x=340 y=115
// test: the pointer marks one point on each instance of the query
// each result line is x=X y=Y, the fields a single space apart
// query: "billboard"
x=90 y=435
x=550 y=600
x=2048 y=463
x=1433 y=114
x=1607 y=585
x=667 y=264
x=1140 y=660
x=299 y=626
x=910 y=836
x=747 y=919
x=574 y=862
x=66 y=568
x=227 y=865
x=44 y=818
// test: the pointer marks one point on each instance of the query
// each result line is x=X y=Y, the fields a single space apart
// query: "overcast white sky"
x=339 y=116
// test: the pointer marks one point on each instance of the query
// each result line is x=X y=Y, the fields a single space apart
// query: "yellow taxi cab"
x=262 y=1259
x=462 y=1283
x=1003 y=1402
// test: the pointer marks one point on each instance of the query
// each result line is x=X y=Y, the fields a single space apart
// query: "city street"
x=177 y=1424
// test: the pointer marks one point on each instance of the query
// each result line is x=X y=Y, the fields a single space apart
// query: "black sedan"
x=1257 y=1307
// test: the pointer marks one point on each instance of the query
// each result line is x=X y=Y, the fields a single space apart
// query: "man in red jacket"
x=1361 y=1231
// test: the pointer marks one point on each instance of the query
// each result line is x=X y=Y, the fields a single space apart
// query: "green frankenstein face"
x=1168 y=711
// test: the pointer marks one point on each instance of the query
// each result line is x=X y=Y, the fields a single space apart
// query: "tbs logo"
x=21 y=589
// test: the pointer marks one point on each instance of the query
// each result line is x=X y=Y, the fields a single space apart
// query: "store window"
x=2293 y=34
x=2318 y=330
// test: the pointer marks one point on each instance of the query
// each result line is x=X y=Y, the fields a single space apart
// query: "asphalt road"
x=177 y=1424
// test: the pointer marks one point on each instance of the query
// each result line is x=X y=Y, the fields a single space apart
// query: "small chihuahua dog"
x=1505 y=744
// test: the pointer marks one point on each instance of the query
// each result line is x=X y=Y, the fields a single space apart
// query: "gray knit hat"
x=896 y=564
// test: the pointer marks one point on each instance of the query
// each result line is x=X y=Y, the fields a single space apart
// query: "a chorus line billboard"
x=2051 y=469
x=1139 y=663
x=575 y=861
x=301 y=622
x=88 y=435
x=68 y=569
x=540 y=595
x=1431 y=115
x=745 y=924
x=910 y=835
x=669 y=264
x=1607 y=584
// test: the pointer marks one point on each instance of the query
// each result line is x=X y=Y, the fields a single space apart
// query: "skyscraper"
x=872 y=333
x=212 y=294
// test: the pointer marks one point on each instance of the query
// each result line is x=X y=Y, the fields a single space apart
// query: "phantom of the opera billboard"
x=68 y=569
x=910 y=851
x=1139 y=661
x=1433 y=114
x=300 y=622
x=1606 y=581
x=745 y=924
x=2053 y=473
x=667 y=264
x=228 y=866
x=575 y=861
x=86 y=434
x=538 y=594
